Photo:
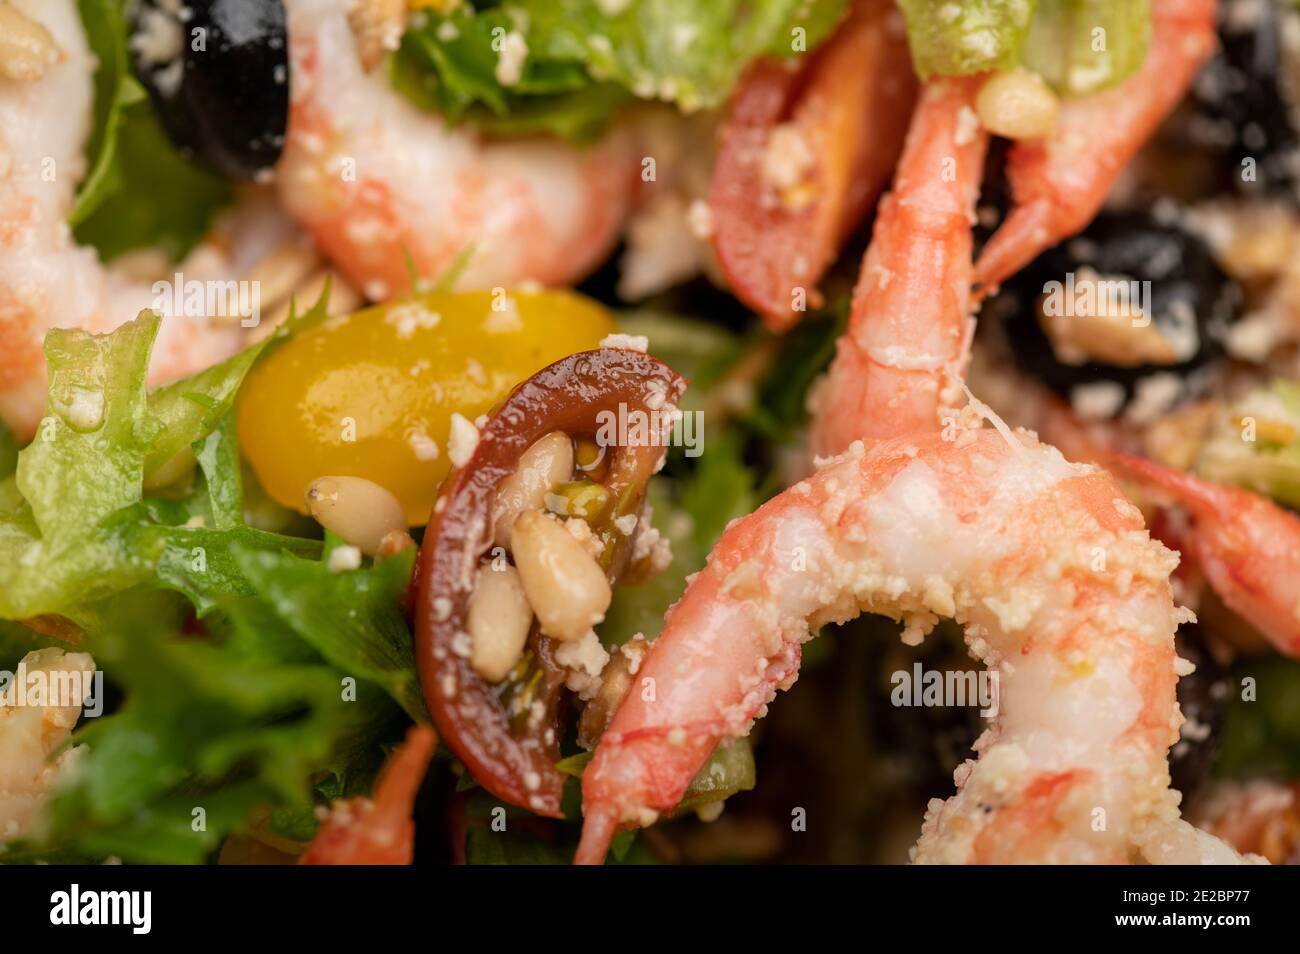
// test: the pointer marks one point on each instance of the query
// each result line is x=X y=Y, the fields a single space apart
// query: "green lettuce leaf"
x=211 y=729
x=586 y=57
x=353 y=620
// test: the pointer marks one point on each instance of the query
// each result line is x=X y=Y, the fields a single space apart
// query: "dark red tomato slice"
x=511 y=756
x=848 y=104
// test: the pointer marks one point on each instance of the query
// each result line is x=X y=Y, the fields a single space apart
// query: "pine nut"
x=358 y=510
x=498 y=622
x=1018 y=104
x=26 y=47
x=547 y=463
x=565 y=585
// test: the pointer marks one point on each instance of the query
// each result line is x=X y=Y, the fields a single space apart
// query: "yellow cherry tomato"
x=372 y=395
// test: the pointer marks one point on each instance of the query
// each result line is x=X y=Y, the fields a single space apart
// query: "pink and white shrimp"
x=375 y=179
x=46 y=279
x=1059 y=183
x=1062 y=593
x=909 y=326
x=1247 y=546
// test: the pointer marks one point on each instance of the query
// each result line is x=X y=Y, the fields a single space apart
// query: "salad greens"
x=559 y=66
x=253 y=675
x=140 y=192
x=957 y=39
x=1261 y=723
x=1078 y=46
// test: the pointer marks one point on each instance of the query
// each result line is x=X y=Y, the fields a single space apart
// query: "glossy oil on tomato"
x=371 y=395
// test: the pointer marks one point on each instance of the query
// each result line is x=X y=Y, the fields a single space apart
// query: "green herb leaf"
x=577 y=60
x=352 y=619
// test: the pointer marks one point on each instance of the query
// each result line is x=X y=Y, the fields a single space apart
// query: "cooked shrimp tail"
x=1247 y=546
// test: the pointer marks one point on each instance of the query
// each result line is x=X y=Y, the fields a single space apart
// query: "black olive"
x=1243 y=109
x=218 y=77
x=1190 y=303
x=1201 y=696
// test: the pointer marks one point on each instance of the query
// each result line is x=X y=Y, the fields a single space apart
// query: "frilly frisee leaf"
x=565 y=66
x=219 y=724
x=74 y=523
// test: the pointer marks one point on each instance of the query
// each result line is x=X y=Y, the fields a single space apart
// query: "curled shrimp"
x=46 y=279
x=1059 y=183
x=909 y=329
x=375 y=179
x=1247 y=546
x=1062 y=593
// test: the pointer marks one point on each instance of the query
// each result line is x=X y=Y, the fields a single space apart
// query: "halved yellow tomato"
x=371 y=395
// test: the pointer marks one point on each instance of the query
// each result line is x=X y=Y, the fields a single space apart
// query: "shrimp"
x=30 y=732
x=1064 y=597
x=376 y=181
x=1247 y=547
x=909 y=330
x=378 y=831
x=1260 y=814
x=1059 y=183
x=46 y=279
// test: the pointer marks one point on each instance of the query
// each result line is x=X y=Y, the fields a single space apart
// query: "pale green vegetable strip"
x=953 y=38
x=1080 y=46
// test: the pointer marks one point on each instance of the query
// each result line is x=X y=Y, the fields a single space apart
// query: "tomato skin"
x=371 y=395
x=572 y=395
x=850 y=102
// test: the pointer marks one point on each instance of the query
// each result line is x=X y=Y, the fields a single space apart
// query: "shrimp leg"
x=997 y=531
x=1247 y=546
x=1058 y=184
x=909 y=327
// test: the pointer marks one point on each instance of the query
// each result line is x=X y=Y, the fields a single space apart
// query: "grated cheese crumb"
x=463 y=440
x=631 y=342
x=344 y=558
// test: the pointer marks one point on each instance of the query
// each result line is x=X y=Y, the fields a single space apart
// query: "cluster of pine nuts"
x=555 y=576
